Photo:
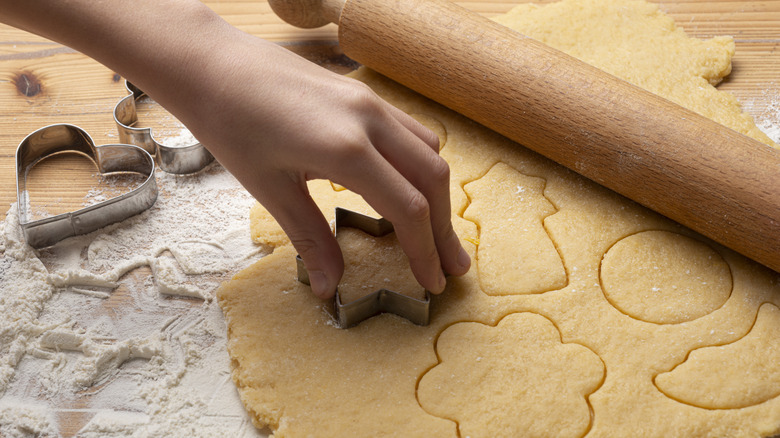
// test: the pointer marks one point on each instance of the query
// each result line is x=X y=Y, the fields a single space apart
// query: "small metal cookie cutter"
x=62 y=138
x=171 y=159
x=381 y=301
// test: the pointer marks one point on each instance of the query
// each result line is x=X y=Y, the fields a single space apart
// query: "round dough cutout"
x=665 y=278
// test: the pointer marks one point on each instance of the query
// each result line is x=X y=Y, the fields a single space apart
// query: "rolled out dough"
x=622 y=323
x=374 y=263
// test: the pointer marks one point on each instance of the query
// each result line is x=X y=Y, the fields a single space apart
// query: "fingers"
x=398 y=201
x=381 y=153
x=406 y=181
x=309 y=232
x=429 y=173
x=417 y=128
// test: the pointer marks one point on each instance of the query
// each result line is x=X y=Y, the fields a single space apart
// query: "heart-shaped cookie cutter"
x=380 y=301
x=64 y=138
x=171 y=159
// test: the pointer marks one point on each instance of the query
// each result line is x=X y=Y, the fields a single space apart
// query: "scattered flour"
x=770 y=124
x=116 y=333
x=768 y=118
x=109 y=186
x=182 y=138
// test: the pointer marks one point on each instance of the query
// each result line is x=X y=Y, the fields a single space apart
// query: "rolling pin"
x=695 y=171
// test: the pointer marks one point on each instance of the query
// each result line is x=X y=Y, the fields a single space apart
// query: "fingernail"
x=464 y=260
x=441 y=284
x=319 y=284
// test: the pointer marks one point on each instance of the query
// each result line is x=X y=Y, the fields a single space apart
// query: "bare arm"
x=272 y=119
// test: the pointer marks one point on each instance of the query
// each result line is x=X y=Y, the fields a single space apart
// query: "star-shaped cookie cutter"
x=381 y=301
x=171 y=159
x=64 y=138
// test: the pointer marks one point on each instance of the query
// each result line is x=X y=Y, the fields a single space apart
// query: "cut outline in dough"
x=476 y=243
x=494 y=325
x=693 y=237
x=714 y=345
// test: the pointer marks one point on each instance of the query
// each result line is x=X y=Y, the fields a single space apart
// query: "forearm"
x=169 y=48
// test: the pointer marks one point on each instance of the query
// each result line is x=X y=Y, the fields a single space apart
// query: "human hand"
x=294 y=121
x=275 y=121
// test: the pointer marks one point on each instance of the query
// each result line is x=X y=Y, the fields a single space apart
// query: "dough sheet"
x=583 y=313
x=374 y=263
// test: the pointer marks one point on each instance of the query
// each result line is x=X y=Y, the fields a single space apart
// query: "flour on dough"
x=515 y=254
x=665 y=278
x=731 y=376
x=588 y=357
x=523 y=355
x=374 y=263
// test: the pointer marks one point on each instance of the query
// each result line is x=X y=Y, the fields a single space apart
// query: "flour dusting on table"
x=769 y=120
x=117 y=330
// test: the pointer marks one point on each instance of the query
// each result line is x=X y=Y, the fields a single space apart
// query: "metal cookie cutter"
x=171 y=159
x=381 y=301
x=55 y=139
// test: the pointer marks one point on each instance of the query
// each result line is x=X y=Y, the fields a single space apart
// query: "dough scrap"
x=637 y=42
x=301 y=376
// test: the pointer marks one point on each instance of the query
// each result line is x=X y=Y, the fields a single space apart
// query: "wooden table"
x=43 y=83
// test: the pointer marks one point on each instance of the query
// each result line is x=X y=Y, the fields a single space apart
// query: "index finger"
x=429 y=173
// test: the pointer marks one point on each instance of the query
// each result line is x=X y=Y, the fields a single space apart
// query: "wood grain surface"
x=42 y=82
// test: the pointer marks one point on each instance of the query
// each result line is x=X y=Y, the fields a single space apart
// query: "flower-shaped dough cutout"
x=514 y=379
x=664 y=277
x=515 y=254
x=737 y=375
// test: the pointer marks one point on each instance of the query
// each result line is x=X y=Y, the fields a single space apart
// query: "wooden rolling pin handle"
x=672 y=160
x=308 y=13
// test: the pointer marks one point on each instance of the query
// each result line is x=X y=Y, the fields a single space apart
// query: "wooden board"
x=43 y=83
